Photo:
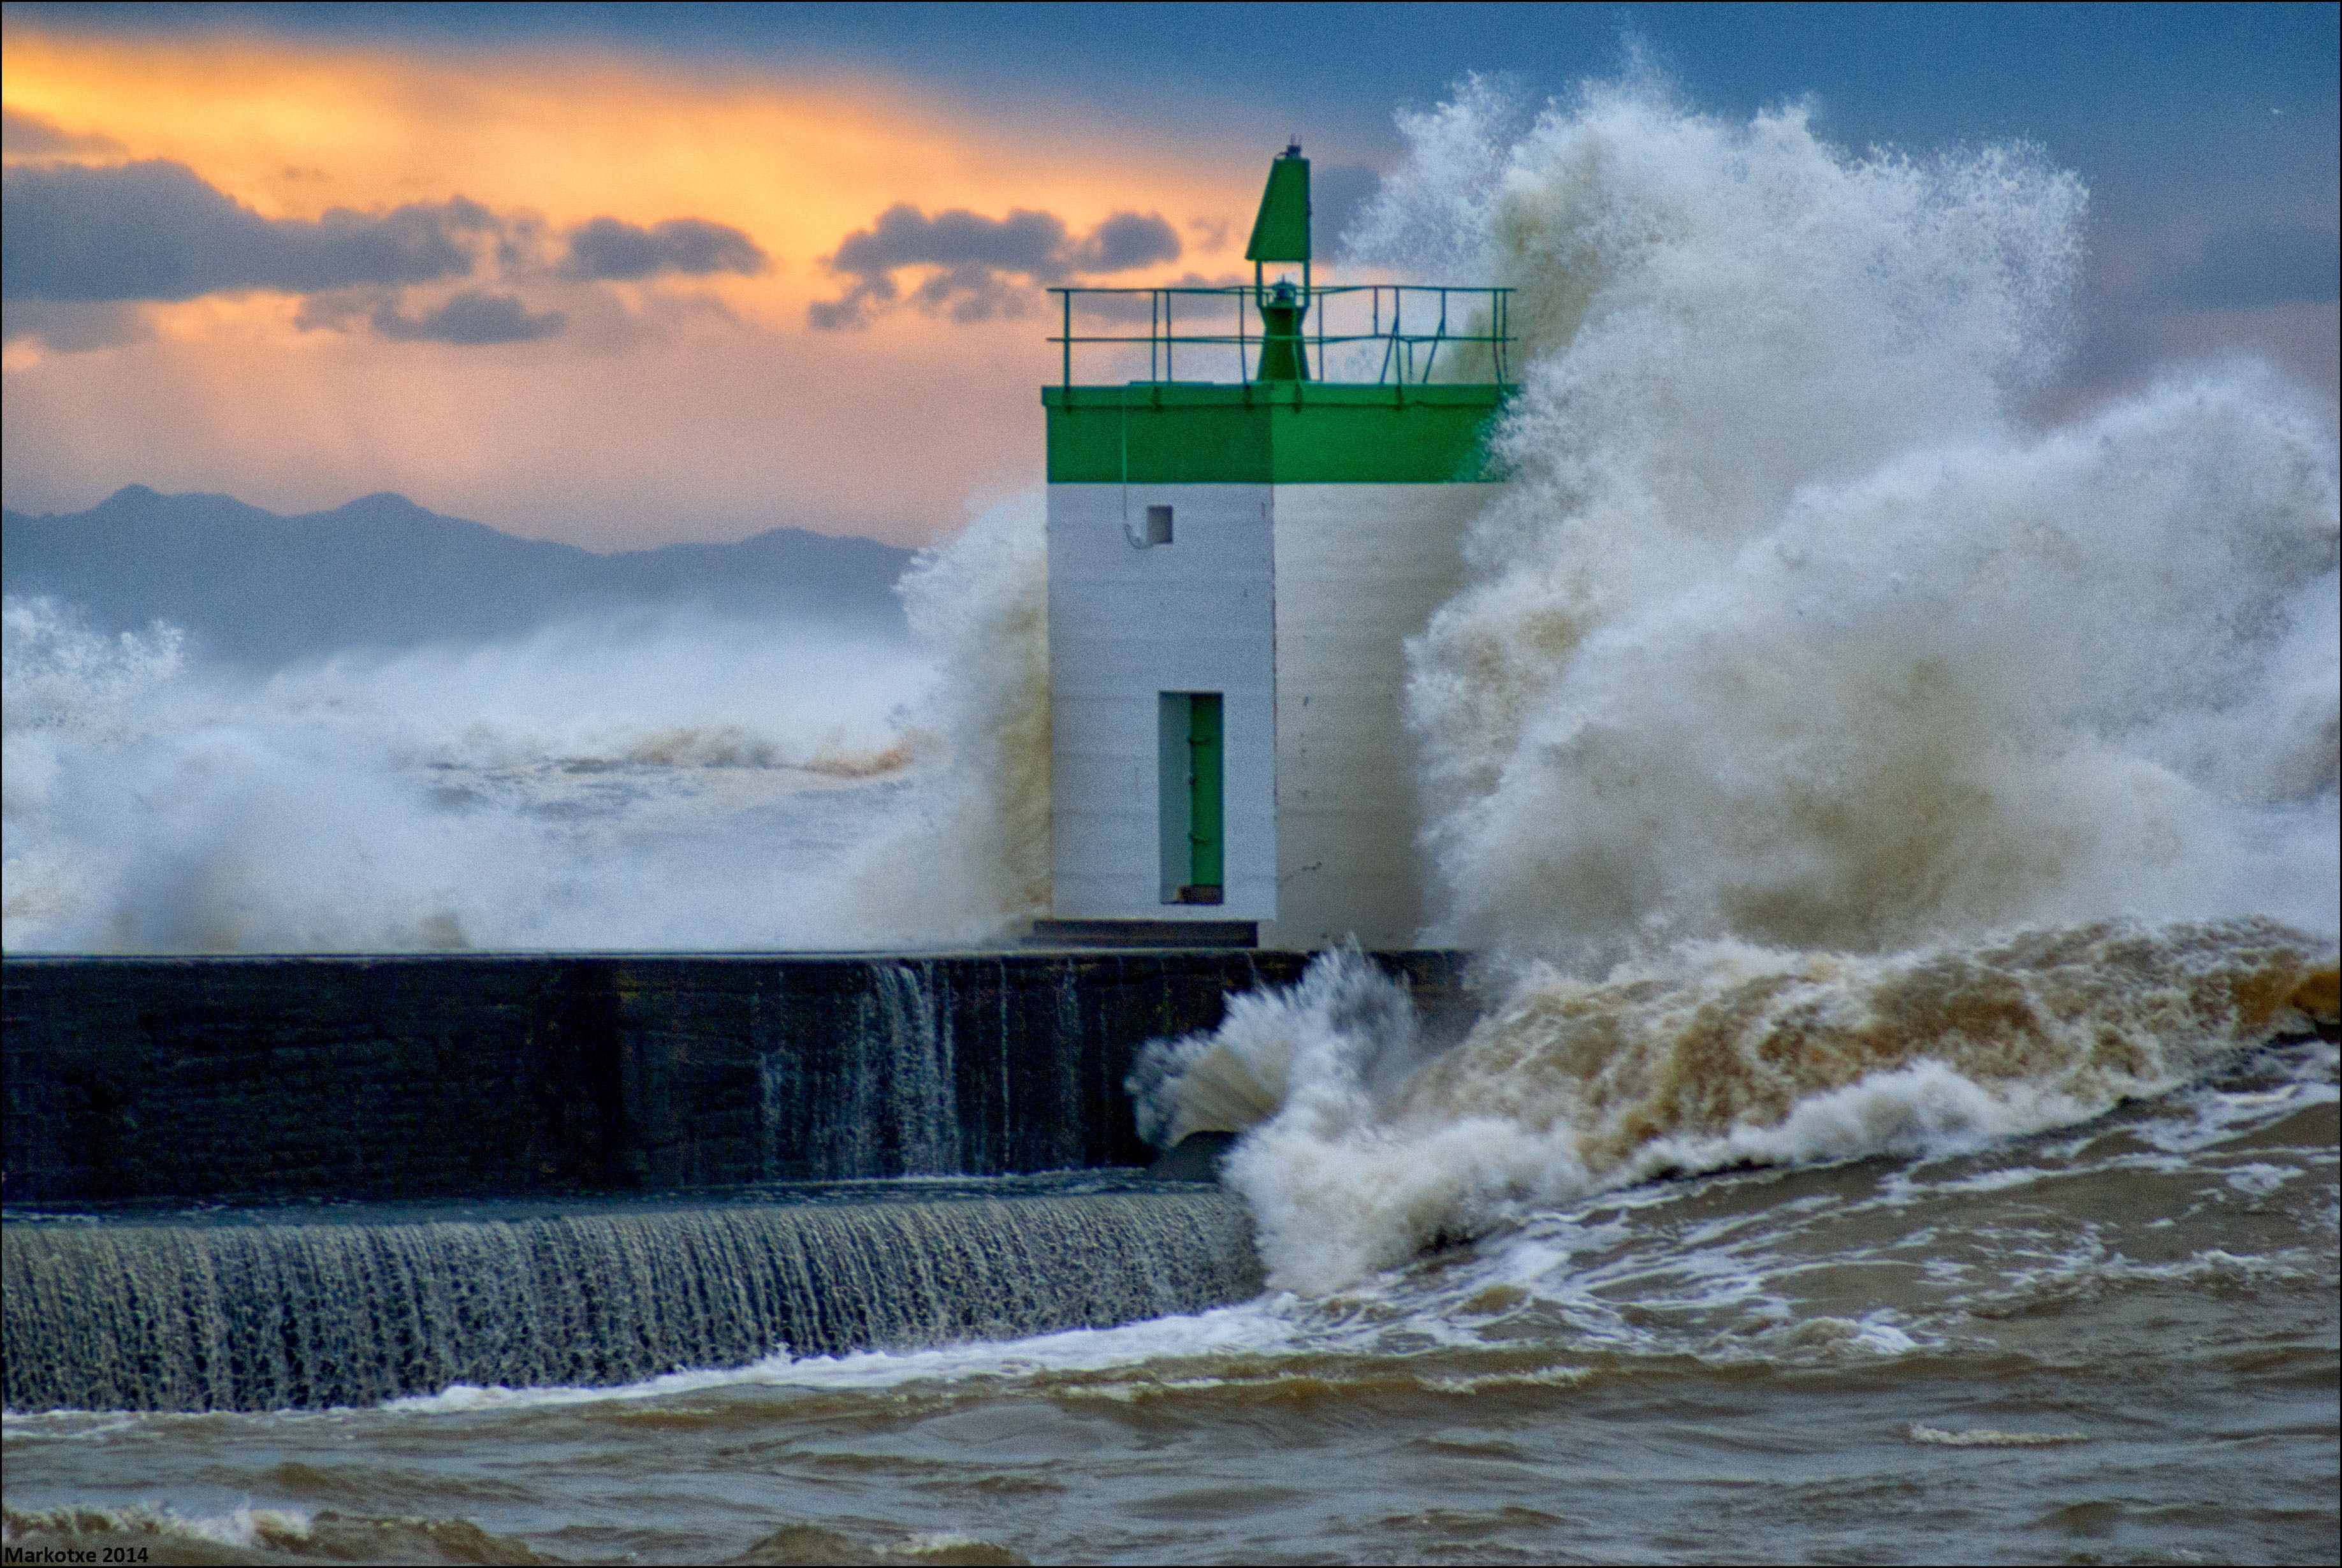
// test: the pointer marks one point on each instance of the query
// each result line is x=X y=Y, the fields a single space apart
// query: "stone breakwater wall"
x=261 y=1079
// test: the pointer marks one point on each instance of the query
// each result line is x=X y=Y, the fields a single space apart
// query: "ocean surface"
x=2114 y=1342
x=1900 y=833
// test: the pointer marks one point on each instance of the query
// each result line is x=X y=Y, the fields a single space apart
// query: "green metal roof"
x=1293 y=433
x=1280 y=232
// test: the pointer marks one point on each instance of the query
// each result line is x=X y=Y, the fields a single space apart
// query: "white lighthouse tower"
x=1235 y=566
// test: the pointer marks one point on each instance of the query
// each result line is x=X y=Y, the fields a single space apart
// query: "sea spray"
x=968 y=857
x=64 y=691
x=1825 y=764
x=1993 y=682
x=1784 y=629
x=652 y=780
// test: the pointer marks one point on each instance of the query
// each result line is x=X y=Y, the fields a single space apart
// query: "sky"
x=623 y=275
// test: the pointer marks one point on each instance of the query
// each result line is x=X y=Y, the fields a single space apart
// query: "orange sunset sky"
x=760 y=419
x=394 y=209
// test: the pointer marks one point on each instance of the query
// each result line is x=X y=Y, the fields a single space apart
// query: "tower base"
x=1144 y=933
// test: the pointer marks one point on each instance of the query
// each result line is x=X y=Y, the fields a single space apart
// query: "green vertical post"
x=1282 y=354
x=1280 y=232
x=1206 y=840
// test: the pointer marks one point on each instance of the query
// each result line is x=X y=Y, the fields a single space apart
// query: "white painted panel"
x=1359 y=569
x=1127 y=624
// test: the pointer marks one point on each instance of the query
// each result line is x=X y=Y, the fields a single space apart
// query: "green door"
x=1194 y=835
x=1206 y=844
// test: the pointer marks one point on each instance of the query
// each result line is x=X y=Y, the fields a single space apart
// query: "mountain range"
x=256 y=588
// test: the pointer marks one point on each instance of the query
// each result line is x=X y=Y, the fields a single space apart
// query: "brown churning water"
x=2114 y=1338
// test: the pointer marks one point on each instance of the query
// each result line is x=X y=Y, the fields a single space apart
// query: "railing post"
x=1068 y=341
x=1321 y=334
x=1439 y=337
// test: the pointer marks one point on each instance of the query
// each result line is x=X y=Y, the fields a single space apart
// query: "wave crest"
x=1719 y=1054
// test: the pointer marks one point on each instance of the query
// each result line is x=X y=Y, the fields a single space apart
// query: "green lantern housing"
x=1280 y=230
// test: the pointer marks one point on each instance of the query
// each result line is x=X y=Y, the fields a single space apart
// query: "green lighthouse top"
x=1281 y=231
x=1345 y=384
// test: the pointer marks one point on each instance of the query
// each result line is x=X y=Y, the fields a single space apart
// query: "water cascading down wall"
x=529 y=1170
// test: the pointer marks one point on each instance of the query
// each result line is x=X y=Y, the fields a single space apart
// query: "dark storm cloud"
x=1126 y=240
x=1028 y=241
x=23 y=136
x=609 y=249
x=471 y=319
x=981 y=266
x=154 y=231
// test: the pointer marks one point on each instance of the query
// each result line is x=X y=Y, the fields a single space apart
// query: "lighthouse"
x=1256 y=493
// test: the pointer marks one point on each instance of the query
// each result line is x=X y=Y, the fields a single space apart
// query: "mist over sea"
x=1901 y=842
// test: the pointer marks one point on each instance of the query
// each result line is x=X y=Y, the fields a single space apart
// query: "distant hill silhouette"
x=257 y=588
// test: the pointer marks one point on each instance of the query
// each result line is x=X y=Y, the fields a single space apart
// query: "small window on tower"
x=1155 y=530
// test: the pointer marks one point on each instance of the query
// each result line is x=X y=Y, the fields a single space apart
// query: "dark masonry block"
x=254 y=1079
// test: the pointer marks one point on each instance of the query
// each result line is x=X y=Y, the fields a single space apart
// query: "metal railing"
x=1372 y=314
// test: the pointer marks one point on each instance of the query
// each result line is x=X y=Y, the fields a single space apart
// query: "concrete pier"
x=264 y=1079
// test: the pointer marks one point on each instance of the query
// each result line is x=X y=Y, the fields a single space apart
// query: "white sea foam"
x=968 y=857
x=1786 y=628
x=1261 y=1327
x=135 y=1529
x=1699 y=1060
x=1918 y=779
x=638 y=781
x=642 y=780
x=1986 y=1437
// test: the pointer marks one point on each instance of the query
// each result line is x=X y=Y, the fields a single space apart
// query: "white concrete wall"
x=1127 y=624
x=1359 y=569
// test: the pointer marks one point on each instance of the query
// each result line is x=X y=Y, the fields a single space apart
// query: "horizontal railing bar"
x=1362 y=337
x=1317 y=289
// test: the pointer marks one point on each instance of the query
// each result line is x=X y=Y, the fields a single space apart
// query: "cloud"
x=23 y=136
x=472 y=318
x=154 y=231
x=981 y=267
x=607 y=248
x=1126 y=240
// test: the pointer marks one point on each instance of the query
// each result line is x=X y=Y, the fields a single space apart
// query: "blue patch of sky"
x=2156 y=79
